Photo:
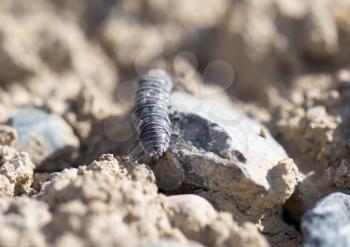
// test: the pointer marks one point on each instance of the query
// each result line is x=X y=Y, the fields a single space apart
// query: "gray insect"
x=151 y=113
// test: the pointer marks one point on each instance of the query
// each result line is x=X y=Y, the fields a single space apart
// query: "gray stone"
x=48 y=139
x=217 y=149
x=328 y=223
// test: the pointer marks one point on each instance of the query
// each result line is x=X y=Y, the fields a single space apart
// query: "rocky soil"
x=260 y=150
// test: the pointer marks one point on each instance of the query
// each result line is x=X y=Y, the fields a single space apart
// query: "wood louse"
x=151 y=114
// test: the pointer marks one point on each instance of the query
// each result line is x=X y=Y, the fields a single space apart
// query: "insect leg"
x=135 y=152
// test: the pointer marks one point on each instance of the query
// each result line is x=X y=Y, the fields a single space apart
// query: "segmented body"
x=151 y=113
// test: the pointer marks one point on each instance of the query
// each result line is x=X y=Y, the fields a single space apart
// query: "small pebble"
x=328 y=223
x=43 y=135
